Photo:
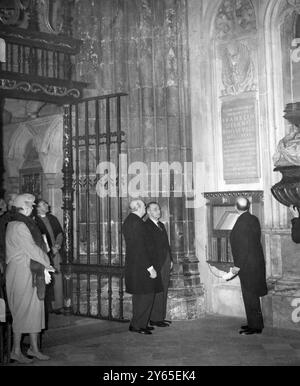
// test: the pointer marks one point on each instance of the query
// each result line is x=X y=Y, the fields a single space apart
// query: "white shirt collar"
x=155 y=221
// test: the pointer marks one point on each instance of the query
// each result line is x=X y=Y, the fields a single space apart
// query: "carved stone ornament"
x=12 y=11
x=50 y=14
x=237 y=69
x=235 y=17
x=46 y=134
x=287 y=160
x=288 y=149
x=295 y=4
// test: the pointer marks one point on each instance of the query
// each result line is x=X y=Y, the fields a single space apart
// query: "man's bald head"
x=138 y=207
x=242 y=204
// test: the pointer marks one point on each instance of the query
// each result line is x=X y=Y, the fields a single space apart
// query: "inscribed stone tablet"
x=239 y=136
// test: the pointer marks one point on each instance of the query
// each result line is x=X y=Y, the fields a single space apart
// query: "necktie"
x=160 y=226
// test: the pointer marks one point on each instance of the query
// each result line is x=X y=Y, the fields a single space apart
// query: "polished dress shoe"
x=159 y=324
x=251 y=331
x=140 y=330
x=149 y=328
x=245 y=327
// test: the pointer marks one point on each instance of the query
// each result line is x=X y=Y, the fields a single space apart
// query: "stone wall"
x=262 y=27
x=141 y=48
x=185 y=64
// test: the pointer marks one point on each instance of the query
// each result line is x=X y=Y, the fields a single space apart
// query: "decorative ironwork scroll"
x=67 y=204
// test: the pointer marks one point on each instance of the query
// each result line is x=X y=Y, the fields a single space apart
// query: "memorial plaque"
x=240 y=145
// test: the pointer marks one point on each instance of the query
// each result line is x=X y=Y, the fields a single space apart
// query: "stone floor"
x=213 y=340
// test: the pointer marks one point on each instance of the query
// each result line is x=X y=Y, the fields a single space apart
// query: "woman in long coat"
x=26 y=308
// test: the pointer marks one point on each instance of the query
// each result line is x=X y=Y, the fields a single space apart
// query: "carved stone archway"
x=46 y=134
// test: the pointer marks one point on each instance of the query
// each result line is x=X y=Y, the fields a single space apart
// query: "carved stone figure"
x=235 y=17
x=288 y=149
x=237 y=70
x=50 y=14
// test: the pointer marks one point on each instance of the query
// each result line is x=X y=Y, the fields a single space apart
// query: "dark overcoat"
x=296 y=230
x=55 y=225
x=158 y=243
x=138 y=258
x=248 y=254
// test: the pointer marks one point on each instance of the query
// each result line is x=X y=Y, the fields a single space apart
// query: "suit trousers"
x=159 y=309
x=253 y=309
x=141 y=309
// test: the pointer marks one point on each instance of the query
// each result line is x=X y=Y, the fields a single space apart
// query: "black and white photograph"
x=149 y=187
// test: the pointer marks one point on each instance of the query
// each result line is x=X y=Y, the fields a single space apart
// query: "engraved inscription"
x=239 y=135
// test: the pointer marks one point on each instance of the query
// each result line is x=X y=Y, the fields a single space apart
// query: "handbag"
x=38 y=278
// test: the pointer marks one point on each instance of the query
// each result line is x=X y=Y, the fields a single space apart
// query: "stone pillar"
x=186 y=299
x=52 y=193
x=13 y=185
x=141 y=48
x=1 y=149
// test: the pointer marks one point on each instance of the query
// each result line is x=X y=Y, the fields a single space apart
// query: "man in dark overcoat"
x=161 y=252
x=141 y=279
x=51 y=228
x=247 y=252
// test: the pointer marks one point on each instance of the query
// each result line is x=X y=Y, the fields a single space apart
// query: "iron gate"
x=94 y=266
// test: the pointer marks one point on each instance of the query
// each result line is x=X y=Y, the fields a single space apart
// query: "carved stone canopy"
x=295 y=4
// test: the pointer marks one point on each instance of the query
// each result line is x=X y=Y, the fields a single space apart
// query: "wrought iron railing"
x=95 y=263
x=37 y=61
x=38 y=54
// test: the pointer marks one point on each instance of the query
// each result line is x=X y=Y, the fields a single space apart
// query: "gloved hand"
x=47 y=276
x=153 y=273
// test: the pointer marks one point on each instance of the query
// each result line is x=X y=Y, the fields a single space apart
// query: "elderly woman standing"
x=24 y=243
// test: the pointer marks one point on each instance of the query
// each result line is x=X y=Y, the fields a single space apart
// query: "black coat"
x=248 y=254
x=138 y=258
x=4 y=219
x=296 y=230
x=159 y=243
x=55 y=225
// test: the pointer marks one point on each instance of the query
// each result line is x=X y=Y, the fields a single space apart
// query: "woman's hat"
x=24 y=200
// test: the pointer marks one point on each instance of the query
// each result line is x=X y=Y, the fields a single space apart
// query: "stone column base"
x=281 y=307
x=187 y=303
